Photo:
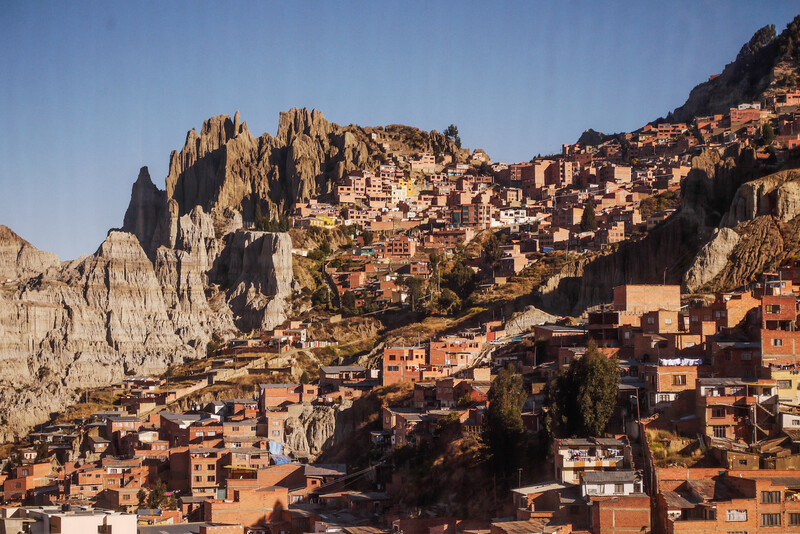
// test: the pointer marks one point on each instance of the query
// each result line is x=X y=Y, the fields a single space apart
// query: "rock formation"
x=763 y=66
x=711 y=259
x=183 y=266
x=19 y=259
x=230 y=174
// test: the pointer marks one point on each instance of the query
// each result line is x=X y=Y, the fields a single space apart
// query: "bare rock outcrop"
x=20 y=259
x=182 y=267
x=257 y=267
x=84 y=324
x=777 y=195
x=309 y=430
x=711 y=260
x=522 y=321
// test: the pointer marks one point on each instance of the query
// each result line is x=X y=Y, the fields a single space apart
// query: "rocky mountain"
x=766 y=64
x=232 y=175
x=184 y=265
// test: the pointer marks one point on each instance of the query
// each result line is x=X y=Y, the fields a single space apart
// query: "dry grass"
x=671 y=450
x=91 y=402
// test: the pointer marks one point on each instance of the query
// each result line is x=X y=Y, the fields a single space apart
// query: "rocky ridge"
x=183 y=266
x=763 y=66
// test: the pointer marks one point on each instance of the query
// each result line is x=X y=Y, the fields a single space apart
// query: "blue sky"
x=91 y=91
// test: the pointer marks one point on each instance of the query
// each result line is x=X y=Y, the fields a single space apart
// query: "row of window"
x=772 y=519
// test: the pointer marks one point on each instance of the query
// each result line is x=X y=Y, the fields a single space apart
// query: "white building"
x=55 y=520
x=610 y=483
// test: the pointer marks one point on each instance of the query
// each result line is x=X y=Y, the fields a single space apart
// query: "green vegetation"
x=451 y=132
x=767 y=134
x=492 y=251
x=589 y=218
x=583 y=396
x=504 y=427
x=659 y=203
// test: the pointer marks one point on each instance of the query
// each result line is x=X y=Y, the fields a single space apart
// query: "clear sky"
x=91 y=91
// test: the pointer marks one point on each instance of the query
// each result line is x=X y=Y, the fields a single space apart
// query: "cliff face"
x=181 y=268
x=19 y=259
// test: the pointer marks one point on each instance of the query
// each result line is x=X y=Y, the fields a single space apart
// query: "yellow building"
x=788 y=381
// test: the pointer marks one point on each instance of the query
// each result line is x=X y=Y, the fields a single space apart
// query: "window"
x=727 y=356
x=211 y=478
x=276 y=432
x=650 y=320
x=668 y=320
x=393 y=368
x=770 y=497
x=197 y=467
x=776 y=342
x=679 y=380
x=747 y=356
x=771 y=520
x=784 y=384
x=126 y=497
x=619 y=488
x=743 y=462
x=694 y=318
x=719 y=431
x=210 y=467
x=794 y=519
x=737 y=515
x=718 y=412
x=198 y=479
x=773 y=308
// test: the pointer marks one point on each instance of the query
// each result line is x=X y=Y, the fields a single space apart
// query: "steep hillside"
x=766 y=64
x=669 y=250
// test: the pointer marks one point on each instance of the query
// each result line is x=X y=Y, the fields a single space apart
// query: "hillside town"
x=588 y=198
x=702 y=432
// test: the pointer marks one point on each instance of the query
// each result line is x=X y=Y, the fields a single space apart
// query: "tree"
x=157 y=495
x=212 y=347
x=582 y=397
x=588 y=219
x=448 y=301
x=451 y=132
x=368 y=237
x=504 y=427
x=349 y=302
x=460 y=279
x=304 y=379
x=767 y=133
x=492 y=251
x=141 y=495
x=415 y=288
